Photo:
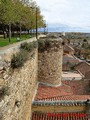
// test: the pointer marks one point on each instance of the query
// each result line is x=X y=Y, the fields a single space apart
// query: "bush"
x=44 y=45
x=41 y=45
x=35 y=44
x=4 y=91
x=29 y=46
x=19 y=59
x=47 y=44
x=24 y=45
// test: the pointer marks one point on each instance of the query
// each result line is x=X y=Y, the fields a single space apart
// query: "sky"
x=66 y=15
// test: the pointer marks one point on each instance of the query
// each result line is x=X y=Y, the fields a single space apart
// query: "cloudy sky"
x=66 y=15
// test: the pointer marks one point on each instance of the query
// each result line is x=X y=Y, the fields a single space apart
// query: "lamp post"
x=36 y=16
x=44 y=25
x=47 y=29
x=36 y=23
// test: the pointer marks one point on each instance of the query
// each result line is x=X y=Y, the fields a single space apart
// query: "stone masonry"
x=50 y=63
x=21 y=83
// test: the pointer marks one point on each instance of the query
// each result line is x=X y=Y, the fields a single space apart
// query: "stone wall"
x=50 y=62
x=20 y=83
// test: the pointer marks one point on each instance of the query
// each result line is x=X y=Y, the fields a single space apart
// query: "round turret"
x=50 y=60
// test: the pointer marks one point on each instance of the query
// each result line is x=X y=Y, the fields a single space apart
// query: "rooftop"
x=59 y=116
x=68 y=48
x=49 y=91
x=67 y=89
x=67 y=58
x=66 y=98
x=83 y=67
x=71 y=75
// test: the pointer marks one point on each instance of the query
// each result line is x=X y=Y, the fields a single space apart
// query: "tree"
x=8 y=14
x=19 y=13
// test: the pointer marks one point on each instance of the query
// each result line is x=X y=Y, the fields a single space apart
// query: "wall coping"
x=61 y=103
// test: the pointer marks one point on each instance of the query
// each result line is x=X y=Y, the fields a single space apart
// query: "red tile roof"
x=87 y=75
x=59 y=116
x=68 y=87
x=67 y=97
x=78 y=87
x=65 y=67
x=68 y=48
x=48 y=91
x=70 y=59
x=83 y=67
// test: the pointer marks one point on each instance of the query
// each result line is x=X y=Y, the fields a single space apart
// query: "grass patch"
x=4 y=42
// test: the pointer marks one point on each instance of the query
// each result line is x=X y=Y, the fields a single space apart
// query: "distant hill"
x=66 y=28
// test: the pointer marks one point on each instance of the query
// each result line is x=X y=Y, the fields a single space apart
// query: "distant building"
x=68 y=49
x=69 y=61
x=83 y=67
x=63 y=33
x=87 y=75
x=71 y=75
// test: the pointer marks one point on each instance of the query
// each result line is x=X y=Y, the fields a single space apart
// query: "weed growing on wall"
x=23 y=55
x=29 y=46
x=4 y=91
x=1 y=116
x=44 y=44
x=41 y=45
x=19 y=58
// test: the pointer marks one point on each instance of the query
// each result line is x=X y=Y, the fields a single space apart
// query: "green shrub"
x=19 y=58
x=35 y=44
x=41 y=45
x=47 y=44
x=44 y=45
x=24 y=45
x=4 y=91
x=29 y=46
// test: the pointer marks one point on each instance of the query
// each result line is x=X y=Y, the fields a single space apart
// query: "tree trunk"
x=4 y=35
x=44 y=30
x=9 y=32
x=30 y=32
x=13 y=33
x=20 y=31
x=33 y=32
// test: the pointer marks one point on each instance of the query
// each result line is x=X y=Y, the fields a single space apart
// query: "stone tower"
x=50 y=60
